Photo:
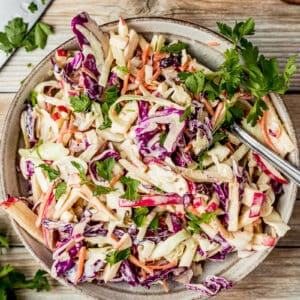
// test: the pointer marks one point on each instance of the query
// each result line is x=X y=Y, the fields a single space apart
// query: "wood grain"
x=278 y=35
x=277 y=278
x=277 y=25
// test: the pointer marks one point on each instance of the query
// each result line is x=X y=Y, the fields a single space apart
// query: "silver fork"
x=285 y=167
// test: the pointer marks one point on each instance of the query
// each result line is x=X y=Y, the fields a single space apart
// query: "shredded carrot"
x=115 y=179
x=208 y=106
x=213 y=43
x=193 y=210
x=140 y=75
x=143 y=273
x=156 y=75
x=229 y=145
x=45 y=200
x=70 y=246
x=188 y=147
x=164 y=267
x=125 y=84
x=114 y=237
x=145 y=54
x=63 y=131
x=191 y=69
x=184 y=67
x=165 y=286
x=218 y=112
x=80 y=268
x=264 y=131
x=141 y=265
x=150 y=87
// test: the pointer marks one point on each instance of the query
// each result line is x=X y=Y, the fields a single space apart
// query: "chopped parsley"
x=81 y=103
x=60 y=190
x=131 y=192
x=174 y=48
x=186 y=114
x=51 y=173
x=194 y=222
x=118 y=255
x=140 y=214
x=32 y=7
x=104 y=168
x=103 y=190
x=81 y=171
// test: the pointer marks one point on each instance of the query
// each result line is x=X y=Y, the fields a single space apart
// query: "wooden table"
x=278 y=34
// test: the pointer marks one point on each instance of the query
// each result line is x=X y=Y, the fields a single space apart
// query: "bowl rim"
x=20 y=231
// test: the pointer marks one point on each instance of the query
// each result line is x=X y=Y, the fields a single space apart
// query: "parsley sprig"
x=131 y=192
x=118 y=255
x=15 y=35
x=51 y=173
x=104 y=168
x=194 y=222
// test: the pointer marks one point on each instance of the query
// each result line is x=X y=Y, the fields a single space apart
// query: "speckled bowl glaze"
x=198 y=38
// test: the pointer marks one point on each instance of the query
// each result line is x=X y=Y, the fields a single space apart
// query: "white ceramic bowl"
x=197 y=37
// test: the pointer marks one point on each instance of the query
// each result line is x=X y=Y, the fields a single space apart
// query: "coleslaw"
x=132 y=176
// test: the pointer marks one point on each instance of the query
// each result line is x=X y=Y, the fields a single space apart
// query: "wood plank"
x=277 y=26
x=283 y=264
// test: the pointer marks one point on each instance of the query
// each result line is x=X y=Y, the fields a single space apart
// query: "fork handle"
x=285 y=167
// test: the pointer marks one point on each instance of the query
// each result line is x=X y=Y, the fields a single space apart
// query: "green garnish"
x=51 y=173
x=187 y=113
x=60 y=190
x=154 y=223
x=174 y=48
x=15 y=35
x=3 y=242
x=81 y=103
x=162 y=138
x=131 y=192
x=194 y=223
x=140 y=214
x=118 y=255
x=103 y=190
x=111 y=95
x=105 y=167
x=32 y=7
x=81 y=170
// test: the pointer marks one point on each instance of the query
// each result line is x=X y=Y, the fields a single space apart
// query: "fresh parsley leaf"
x=102 y=190
x=249 y=52
x=162 y=138
x=232 y=72
x=39 y=282
x=140 y=214
x=195 y=82
x=29 y=42
x=80 y=103
x=29 y=65
x=240 y=30
x=16 y=30
x=194 y=223
x=186 y=114
x=33 y=98
x=118 y=255
x=4 y=242
x=105 y=167
x=5 y=270
x=201 y=158
x=256 y=111
x=5 y=44
x=41 y=32
x=184 y=75
x=131 y=192
x=174 y=48
x=111 y=95
x=154 y=223
x=51 y=173
x=60 y=190
x=220 y=137
x=122 y=69
x=43 y=2
x=32 y=7
x=81 y=170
